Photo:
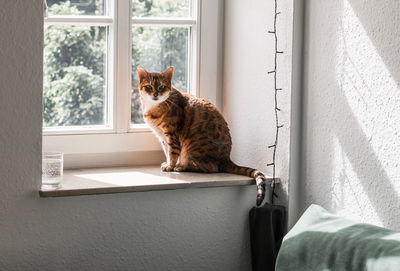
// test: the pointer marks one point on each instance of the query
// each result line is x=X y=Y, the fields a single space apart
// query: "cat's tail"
x=230 y=167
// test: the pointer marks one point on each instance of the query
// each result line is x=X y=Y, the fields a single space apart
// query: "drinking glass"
x=52 y=170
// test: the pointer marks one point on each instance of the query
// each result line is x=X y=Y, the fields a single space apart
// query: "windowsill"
x=137 y=179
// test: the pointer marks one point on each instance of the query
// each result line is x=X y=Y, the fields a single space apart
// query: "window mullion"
x=149 y=21
x=123 y=66
x=195 y=49
x=79 y=20
x=111 y=62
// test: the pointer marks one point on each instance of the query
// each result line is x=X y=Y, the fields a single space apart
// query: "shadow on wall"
x=368 y=135
x=353 y=144
x=380 y=19
x=365 y=163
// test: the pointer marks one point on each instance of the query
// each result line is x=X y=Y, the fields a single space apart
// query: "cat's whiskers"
x=149 y=102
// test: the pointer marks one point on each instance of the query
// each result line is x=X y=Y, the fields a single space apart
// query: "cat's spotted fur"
x=193 y=134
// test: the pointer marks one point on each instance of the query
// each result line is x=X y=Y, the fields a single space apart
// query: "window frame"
x=123 y=137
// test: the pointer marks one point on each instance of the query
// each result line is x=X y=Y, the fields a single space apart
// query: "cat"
x=193 y=133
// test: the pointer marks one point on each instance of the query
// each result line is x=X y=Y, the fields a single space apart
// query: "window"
x=91 y=50
x=76 y=65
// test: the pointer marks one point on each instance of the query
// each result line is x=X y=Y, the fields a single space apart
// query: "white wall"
x=191 y=229
x=352 y=109
x=248 y=91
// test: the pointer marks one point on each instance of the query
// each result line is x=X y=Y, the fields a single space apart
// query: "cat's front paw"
x=179 y=168
x=166 y=167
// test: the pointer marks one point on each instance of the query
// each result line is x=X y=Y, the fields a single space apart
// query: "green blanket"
x=325 y=242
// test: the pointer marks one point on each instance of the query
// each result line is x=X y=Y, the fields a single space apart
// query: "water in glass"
x=52 y=171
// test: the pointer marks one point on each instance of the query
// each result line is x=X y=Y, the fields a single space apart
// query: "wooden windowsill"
x=136 y=179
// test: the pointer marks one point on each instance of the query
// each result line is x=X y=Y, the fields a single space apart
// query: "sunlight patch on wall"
x=371 y=92
x=348 y=198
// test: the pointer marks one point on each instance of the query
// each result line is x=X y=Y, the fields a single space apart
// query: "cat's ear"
x=142 y=73
x=168 y=73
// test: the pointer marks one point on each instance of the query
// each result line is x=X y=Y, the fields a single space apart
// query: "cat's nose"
x=155 y=94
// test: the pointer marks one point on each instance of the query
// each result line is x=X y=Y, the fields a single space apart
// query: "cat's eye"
x=148 y=87
x=161 y=87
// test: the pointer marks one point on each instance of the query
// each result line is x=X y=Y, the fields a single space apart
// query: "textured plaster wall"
x=191 y=229
x=351 y=142
x=248 y=91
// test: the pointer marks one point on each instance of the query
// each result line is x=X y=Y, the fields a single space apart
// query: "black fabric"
x=267 y=228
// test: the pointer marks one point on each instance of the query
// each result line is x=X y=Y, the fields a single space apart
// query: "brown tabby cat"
x=193 y=134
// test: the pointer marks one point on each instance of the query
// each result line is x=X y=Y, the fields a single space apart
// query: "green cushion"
x=323 y=241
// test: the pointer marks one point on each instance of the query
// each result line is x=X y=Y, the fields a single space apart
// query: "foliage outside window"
x=74 y=68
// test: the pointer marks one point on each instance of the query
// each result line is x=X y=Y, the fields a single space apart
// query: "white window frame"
x=110 y=145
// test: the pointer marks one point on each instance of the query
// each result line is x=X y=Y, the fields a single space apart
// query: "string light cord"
x=278 y=125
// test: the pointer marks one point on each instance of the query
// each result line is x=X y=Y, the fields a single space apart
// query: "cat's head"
x=154 y=88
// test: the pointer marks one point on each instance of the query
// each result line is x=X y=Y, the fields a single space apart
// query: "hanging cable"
x=277 y=108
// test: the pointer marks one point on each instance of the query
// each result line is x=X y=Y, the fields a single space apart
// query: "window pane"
x=76 y=7
x=157 y=48
x=161 y=8
x=74 y=75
